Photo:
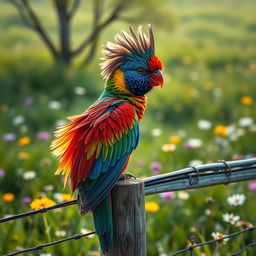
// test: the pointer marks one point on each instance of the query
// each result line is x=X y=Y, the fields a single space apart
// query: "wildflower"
x=245 y=122
x=175 y=139
x=208 y=212
x=79 y=90
x=62 y=197
x=26 y=200
x=17 y=120
x=54 y=104
x=8 y=197
x=246 y=100
x=217 y=235
x=48 y=188
x=183 y=195
x=237 y=199
x=221 y=130
x=195 y=162
x=43 y=135
x=40 y=203
x=244 y=224
x=2 y=173
x=24 y=141
x=156 y=167
x=156 y=132
x=9 y=137
x=29 y=175
x=86 y=231
x=193 y=143
x=167 y=195
x=251 y=185
x=60 y=233
x=28 y=101
x=152 y=206
x=204 y=124
x=23 y=155
x=168 y=147
x=231 y=218
x=60 y=122
x=45 y=254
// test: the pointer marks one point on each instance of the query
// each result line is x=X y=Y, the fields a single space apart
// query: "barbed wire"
x=191 y=247
x=42 y=210
x=41 y=246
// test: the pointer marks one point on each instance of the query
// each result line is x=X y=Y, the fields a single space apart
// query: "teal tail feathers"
x=103 y=223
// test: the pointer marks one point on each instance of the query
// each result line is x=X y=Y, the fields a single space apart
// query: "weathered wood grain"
x=129 y=218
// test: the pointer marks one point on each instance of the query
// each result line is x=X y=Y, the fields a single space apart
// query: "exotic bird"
x=94 y=147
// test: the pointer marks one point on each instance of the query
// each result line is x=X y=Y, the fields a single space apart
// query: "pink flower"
x=2 y=173
x=252 y=186
x=167 y=195
x=156 y=167
x=43 y=135
x=9 y=137
x=26 y=200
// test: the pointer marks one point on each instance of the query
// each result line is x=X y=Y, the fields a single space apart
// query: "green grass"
x=209 y=64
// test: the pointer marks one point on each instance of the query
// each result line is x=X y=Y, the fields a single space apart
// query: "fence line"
x=192 y=177
x=41 y=246
x=191 y=247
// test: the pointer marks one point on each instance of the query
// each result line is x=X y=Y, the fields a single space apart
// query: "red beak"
x=156 y=78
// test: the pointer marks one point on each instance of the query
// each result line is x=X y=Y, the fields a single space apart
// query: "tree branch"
x=74 y=8
x=34 y=24
x=114 y=15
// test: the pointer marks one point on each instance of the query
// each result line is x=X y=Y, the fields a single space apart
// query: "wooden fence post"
x=129 y=218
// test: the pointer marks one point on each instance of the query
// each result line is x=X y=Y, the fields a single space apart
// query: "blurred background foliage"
x=204 y=112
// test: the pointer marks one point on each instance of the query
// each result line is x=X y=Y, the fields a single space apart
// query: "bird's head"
x=131 y=63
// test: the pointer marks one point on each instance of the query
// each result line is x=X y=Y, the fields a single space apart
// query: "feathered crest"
x=126 y=45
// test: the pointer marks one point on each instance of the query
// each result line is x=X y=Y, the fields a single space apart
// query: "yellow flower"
x=40 y=203
x=66 y=197
x=8 y=197
x=175 y=139
x=168 y=147
x=24 y=141
x=23 y=155
x=246 y=100
x=152 y=206
x=221 y=130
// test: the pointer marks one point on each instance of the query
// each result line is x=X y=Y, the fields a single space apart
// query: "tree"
x=130 y=11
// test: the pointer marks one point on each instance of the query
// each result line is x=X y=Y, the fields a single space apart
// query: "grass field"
x=205 y=112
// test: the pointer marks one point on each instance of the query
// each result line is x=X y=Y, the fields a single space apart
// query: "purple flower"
x=26 y=200
x=2 y=173
x=167 y=195
x=28 y=101
x=156 y=167
x=43 y=135
x=252 y=186
x=9 y=137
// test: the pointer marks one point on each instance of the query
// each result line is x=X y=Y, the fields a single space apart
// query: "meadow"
x=206 y=111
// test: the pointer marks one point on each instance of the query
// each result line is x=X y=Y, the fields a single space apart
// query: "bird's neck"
x=115 y=88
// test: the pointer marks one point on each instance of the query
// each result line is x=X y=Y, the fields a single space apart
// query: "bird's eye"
x=141 y=71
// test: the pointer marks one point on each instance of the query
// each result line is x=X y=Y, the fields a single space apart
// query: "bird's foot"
x=126 y=176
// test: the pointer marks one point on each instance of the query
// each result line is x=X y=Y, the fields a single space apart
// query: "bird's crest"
x=136 y=44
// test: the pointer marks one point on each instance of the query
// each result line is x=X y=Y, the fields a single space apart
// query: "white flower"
x=195 y=162
x=183 y=195
x=54 y=104
x=217 y=235
x=45 y=254
x=156 y=132
x=231 y=218
x=60 y=233
x=79 y=90
x=48 y=188
x=29 y=175
x=58 y=197
x=245 y=122
x=85 y=231
x=60 y=122
x=17 y=120
x=237 y=199
x=204 y=124
x=193 y=143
